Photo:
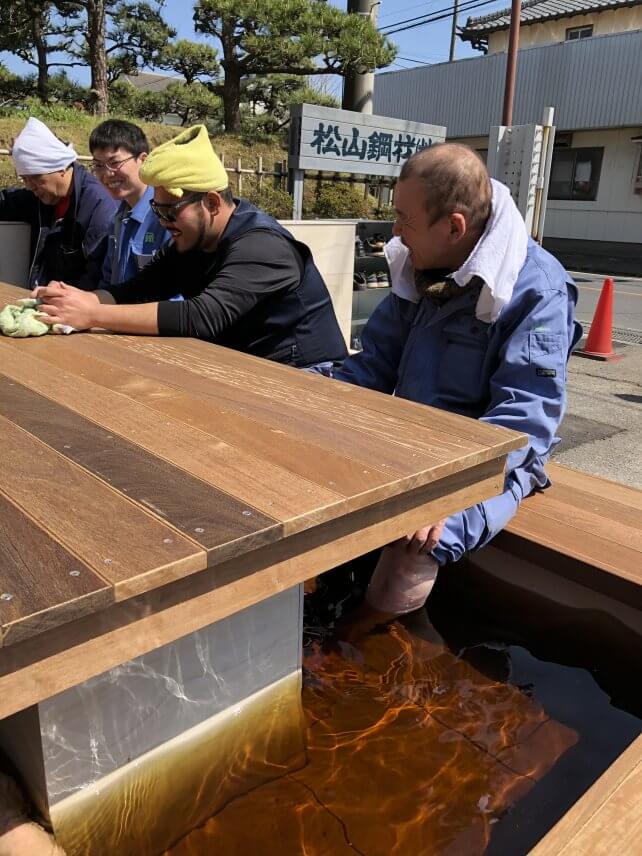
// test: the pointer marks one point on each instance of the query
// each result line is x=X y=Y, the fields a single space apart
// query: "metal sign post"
x=326 y=139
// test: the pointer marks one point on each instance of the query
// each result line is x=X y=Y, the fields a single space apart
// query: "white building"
x=583 y=57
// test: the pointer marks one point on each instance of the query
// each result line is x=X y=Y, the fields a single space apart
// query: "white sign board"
x=323 y=138
x=520 y=157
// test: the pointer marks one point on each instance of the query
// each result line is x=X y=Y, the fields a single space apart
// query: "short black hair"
x=227 y=196
x=117 y=134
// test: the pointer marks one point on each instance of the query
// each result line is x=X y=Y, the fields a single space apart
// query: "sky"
x=422 y=45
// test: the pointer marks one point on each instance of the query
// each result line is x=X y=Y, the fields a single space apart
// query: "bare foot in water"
x=19 y=835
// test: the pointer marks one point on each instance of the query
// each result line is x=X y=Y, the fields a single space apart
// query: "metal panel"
x=514 y=158
x=592 y=83
x=14 y=253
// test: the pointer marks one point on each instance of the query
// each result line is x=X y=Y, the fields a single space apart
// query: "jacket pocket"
x=547 y=353
x=542 y=345
x=462 y=363
x=287 y=355
x=142 y=259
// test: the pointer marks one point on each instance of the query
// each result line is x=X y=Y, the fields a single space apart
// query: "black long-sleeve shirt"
x=250 y=294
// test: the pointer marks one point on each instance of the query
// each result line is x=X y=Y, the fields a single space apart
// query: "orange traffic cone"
x=598 y=343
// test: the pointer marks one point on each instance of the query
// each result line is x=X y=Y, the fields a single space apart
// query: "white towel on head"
x=497 y=259
x=37 y=151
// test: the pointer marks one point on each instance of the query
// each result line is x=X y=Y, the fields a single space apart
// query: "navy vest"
x=303 y=319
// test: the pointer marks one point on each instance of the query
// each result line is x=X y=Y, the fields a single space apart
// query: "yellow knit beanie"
x=188 y=162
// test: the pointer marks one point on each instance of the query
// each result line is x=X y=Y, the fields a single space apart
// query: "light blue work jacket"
x=135 y=244
x=510 y=373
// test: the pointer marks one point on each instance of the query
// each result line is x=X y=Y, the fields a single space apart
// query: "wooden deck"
x=132 y=465
x=588 y=530
x=595 y=522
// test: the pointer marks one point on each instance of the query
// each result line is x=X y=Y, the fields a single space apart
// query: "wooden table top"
x=127 y=463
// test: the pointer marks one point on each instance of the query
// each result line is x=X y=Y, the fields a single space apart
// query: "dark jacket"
x=292 y=321
x=71 y=249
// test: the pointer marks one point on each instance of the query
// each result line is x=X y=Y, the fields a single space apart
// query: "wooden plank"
x=347 y=404
x=274 y=491
x=608 y=555
x=605 y=581
x=68 y=655
x=215 y=520
x=297 y=451
x=227 y=366
x=607 y=819
x=610 y=491
x=616 y=827
x=128 y=547
x=42 y=584
x=297 y=503
x=271 y=415
x=590 y=501
x=11 y=293
x=590 y=516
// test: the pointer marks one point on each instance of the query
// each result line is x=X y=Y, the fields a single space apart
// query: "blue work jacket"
x=510 y=373
x=73 y=248
x=141 y=236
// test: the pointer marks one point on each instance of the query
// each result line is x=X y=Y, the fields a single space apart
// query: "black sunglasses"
x=169 y=213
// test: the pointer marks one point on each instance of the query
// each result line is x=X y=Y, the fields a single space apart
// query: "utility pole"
x=453 y=34
x=511 y=62
x=358 y=88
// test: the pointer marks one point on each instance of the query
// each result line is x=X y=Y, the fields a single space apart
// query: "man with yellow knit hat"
x=248 y=284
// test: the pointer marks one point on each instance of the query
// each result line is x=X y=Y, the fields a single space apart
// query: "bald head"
x=454 y=179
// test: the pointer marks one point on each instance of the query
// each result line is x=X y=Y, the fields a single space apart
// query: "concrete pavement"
x=602 y=430
x=627 y=303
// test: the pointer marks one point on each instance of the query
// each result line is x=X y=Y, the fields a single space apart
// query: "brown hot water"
x=467 y=742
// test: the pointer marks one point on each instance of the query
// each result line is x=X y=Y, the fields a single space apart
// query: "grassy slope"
x=232 y=147
x=78 y=134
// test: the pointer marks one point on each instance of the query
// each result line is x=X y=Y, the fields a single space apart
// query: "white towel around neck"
x=496 y=258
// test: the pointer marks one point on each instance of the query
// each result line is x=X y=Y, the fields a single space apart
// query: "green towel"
x=23 y=319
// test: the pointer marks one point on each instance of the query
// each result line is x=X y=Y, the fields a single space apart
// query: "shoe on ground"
x=360 y=281
x=382 y=280
x=371 y=280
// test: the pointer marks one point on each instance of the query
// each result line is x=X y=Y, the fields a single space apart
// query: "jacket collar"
x=141 y=208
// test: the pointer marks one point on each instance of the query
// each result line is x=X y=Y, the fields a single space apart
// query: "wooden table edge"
x=67 y=655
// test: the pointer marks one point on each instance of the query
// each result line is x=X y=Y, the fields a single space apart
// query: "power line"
x=424 y=60
x=437 y=15
x=425 y=4
x=421 y=17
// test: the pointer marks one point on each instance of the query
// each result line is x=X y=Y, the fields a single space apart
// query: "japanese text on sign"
x=376 y=147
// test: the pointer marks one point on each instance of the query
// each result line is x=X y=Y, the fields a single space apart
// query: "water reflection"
x=410 y=749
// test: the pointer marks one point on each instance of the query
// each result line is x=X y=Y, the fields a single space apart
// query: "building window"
x=637 y=182
x=575 y=33
x=575 y=174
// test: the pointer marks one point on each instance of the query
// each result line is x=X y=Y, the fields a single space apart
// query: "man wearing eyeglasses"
x=69 y=212
x=247 y=283
x=119 y=150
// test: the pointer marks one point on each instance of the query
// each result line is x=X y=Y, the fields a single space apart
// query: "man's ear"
x=458 y=226
x=213 y=202
x=142 y=157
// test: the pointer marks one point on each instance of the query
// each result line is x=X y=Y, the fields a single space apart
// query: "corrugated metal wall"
x=592 y=83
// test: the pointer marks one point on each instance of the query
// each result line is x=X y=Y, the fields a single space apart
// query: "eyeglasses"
x=112 y=166
x=169 y=213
